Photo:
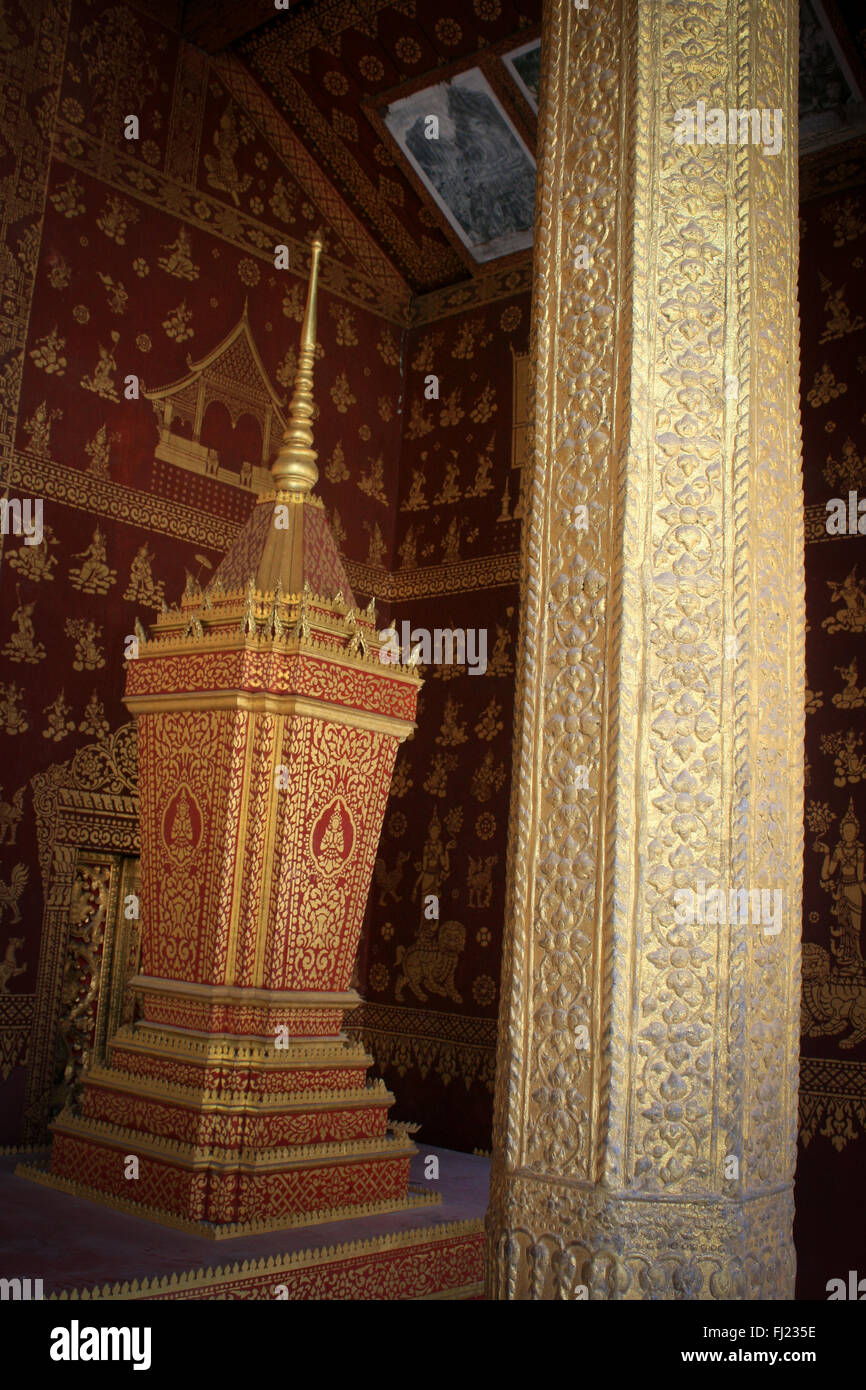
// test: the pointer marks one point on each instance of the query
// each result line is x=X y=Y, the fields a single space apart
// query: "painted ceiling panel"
x=326 y=60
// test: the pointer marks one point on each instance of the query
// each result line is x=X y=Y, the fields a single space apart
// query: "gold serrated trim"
x=197 y=1047
x=280 y=1264
x=217 y=636
x=376 y=1094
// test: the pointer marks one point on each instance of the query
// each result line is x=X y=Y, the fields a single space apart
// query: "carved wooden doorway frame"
x=87 y=830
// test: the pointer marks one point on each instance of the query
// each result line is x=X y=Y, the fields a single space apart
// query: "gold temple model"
x=267 y=733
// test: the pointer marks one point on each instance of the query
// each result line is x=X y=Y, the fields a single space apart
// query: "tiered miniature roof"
x=290 y=557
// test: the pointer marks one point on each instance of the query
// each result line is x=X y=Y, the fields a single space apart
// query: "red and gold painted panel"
x=236 y=1131
x=243 y=882
x=190 y=806
x=256 y=1081
x=232 y=1196
x=328 y=827
x=256 y=861
x=244 y=1020
x=337 y=682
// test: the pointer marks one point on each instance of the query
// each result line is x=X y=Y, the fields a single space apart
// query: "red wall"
x=831 y=1207
x=456 y=563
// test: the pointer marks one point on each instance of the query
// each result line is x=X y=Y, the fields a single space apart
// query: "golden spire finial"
x=294 y=468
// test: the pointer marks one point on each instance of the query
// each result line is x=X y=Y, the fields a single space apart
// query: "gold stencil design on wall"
x=851 y=696
x=13 y=716
x=59 y=724
x=93 y=576
x=101 y=381
x=23 y=644
x=851 y=617
x=36 y=563
x=839 y=321
x=38 y=429
x=85 y=633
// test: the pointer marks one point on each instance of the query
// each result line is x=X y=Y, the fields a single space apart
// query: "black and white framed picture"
x=469 y=156
x=524 y=64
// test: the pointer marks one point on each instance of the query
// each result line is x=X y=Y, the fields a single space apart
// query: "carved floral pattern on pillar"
x=660 y=689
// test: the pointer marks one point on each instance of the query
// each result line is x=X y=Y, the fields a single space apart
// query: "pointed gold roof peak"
x=294 y=469
x=286 y=538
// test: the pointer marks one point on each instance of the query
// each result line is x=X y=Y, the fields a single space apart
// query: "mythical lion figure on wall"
x=830 y=1003
x=432 y=961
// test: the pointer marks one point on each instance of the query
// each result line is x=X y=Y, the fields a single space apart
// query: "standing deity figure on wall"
x=38 y=427
x=846 y=860
x=142 y=587
x=99 y=451
x=435 y=864
x=13 y=717
x=22 y=645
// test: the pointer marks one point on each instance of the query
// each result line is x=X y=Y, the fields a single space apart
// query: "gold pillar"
x=647 y=1071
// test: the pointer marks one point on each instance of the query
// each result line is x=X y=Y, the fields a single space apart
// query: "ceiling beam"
x=215 y=24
